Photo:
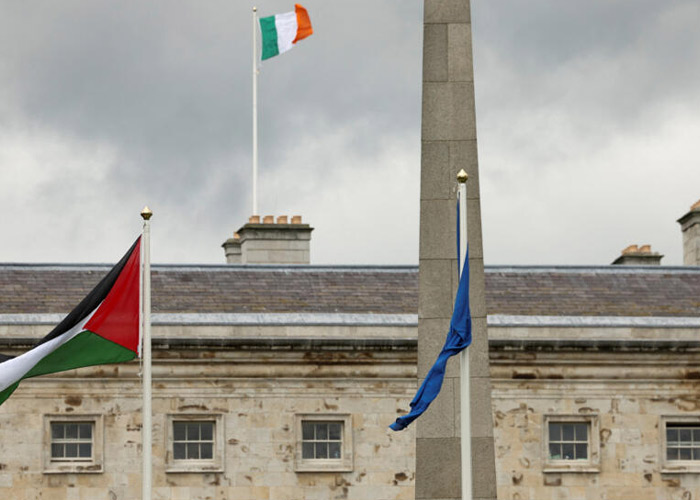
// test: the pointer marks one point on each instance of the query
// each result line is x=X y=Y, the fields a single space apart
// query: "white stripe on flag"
x=286 y=26
x=14 y=369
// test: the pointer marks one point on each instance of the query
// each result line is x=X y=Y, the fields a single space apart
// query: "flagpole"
x=465 y=398
x=147 y=426
x=255 y=112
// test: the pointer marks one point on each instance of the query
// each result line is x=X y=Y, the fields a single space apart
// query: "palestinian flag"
x=103 y=328
x=282 y=31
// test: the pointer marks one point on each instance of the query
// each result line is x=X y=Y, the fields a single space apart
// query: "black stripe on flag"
x=92 y=300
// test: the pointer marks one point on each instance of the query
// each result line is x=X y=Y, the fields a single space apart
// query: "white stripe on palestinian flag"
x=16 y=368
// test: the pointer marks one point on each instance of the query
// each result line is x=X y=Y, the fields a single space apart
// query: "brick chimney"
x=270 y=242
x=635 y=255
x=690 y=227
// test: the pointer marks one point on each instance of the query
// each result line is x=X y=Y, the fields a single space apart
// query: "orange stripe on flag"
x=304 y=28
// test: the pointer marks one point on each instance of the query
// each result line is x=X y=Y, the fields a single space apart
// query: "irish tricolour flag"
x=281 y=32
x=103 y=328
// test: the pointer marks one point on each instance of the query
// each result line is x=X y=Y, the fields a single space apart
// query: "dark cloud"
x=114 y=105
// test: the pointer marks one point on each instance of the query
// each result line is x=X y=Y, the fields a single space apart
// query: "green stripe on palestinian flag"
x=282 y=31
x=103 y=328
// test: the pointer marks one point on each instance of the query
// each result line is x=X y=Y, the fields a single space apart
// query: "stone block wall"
x=257 y=397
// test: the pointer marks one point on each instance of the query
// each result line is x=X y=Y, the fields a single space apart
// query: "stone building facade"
x=279 y=382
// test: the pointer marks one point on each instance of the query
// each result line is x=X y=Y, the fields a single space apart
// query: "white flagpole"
x=465 y=407
x=255 y=112
x=147 y=426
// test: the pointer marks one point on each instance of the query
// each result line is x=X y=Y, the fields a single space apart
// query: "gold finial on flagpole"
x=462 y=176
x=146 y=213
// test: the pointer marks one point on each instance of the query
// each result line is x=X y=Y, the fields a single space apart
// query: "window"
x=195 y=443
x=73 y=443
x=193 y=440
x=568 y=441
x=681 y=444
x=324 y=443
x=571 y=443
x=321 y=440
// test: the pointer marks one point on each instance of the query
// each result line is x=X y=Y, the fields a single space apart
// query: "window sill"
x=681 y=468
x=586 y=468
x=75 y=468
x=195 y=468
x=323 y=466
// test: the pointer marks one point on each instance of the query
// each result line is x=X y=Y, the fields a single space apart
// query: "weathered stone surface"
x=258 y=406
x=439 y=459
x=448 y=111
x=437 y=278
x=435 y=52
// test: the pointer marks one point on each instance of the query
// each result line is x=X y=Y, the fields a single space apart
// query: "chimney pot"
x=269 y=219
x=296 y=219
x=254 y=219
x=635 y=255
x=630 y=249
x=282 y=219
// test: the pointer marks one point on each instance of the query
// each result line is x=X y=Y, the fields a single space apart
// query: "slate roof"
x=529 y=290
x=594 y=291
x=222 y=289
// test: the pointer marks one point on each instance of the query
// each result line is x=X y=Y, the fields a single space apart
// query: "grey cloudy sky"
x=587 y=118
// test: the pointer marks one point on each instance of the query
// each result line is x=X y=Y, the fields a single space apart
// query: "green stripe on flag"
x=85 y=349
x=8 y=392
x=269 y=37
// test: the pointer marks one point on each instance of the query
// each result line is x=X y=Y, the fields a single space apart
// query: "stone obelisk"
x=448 y=140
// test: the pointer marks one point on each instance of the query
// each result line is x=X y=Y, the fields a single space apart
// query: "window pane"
x=672 y=454
x=555 y=451
x=696 y=453
x=307 y=431
x=192 y=451
x=334 y=432
x=206 y=451
x=71 y=431
x=686 y=436
x=207 y=431
x=581 y=451
x=179 y=451
x=685 y=453
x=56 y=451
x=71 y=450
x=581 y=432
x=307 y=450
x=671 y=435
x=193 y=432
x=567 y=451
x=567 y=432
x=333 y=450
x=554 y=432
x=321 y=431
x=321 y=450
x=85 y=450
x=696 y=435
x=85 y=431
x=179 y=431
x=57 y=431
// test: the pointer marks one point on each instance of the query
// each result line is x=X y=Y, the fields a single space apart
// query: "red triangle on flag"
x=117 y=318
